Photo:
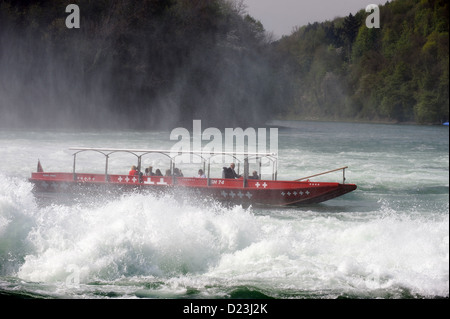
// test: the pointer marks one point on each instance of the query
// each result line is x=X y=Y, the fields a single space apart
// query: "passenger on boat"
x=168 y=173
x=133 y=171
x=177 y=172
x=149 y=171
x=254 y=175
x=230 y=172
x=158 y=172
x=201 y=174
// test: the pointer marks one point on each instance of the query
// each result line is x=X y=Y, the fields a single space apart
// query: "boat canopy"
x=206 y=156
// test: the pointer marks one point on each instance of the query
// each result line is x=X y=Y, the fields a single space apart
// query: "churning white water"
x=388 y=239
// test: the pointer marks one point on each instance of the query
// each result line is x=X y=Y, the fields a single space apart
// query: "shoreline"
x=333 y=120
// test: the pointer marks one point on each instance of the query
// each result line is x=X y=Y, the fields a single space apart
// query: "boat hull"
x=232 y=191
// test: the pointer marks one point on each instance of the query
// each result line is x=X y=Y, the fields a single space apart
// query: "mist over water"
x=150 y=65
x=388 y=239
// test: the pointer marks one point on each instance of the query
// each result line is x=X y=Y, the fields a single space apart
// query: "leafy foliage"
x=161 y=63
x=397 y=73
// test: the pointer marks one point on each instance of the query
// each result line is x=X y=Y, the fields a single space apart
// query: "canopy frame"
x=171 y=154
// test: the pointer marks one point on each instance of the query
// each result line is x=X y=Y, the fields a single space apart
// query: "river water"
x=388 y=239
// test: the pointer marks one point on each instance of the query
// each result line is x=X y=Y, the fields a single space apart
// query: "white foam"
x=16 y=208
x=331 y=254
x=144 y=236
x=134 y=235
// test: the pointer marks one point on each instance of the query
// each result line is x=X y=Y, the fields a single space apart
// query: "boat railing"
x=327 y=172
x=172 y=155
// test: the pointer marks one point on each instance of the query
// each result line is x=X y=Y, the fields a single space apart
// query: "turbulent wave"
x=16 y=220
x=143 y=245
x=106 y=239
x=134 y=235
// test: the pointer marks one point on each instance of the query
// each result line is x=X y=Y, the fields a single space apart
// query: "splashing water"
x=388 y=240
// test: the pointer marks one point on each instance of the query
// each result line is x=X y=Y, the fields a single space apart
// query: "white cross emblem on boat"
x=149 y=181
x=232 y=194
x=224 y=194
x=283 y=193
x=257 y=184
x=240 y=194
x=301 y=193
x=295 y=193
x=249 y=195
x=307 y=193
x=134 y=179
x=161 y=182
x=127 y=179
x=264 y=185
x=289 y=193
x=120 y=179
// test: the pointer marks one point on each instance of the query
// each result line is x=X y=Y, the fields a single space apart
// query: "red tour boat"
x=243 y=191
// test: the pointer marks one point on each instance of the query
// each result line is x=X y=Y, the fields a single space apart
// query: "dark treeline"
x=156 y=64
x=398 y=72
x=138 y=64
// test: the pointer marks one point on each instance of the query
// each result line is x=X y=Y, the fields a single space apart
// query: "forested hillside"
x=156 y=64
x=398 y=73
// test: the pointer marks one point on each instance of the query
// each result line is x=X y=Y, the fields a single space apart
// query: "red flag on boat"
x=39 y=167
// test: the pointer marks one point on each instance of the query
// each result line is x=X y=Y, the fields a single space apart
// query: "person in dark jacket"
x=230 y=172
x=254 y=175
